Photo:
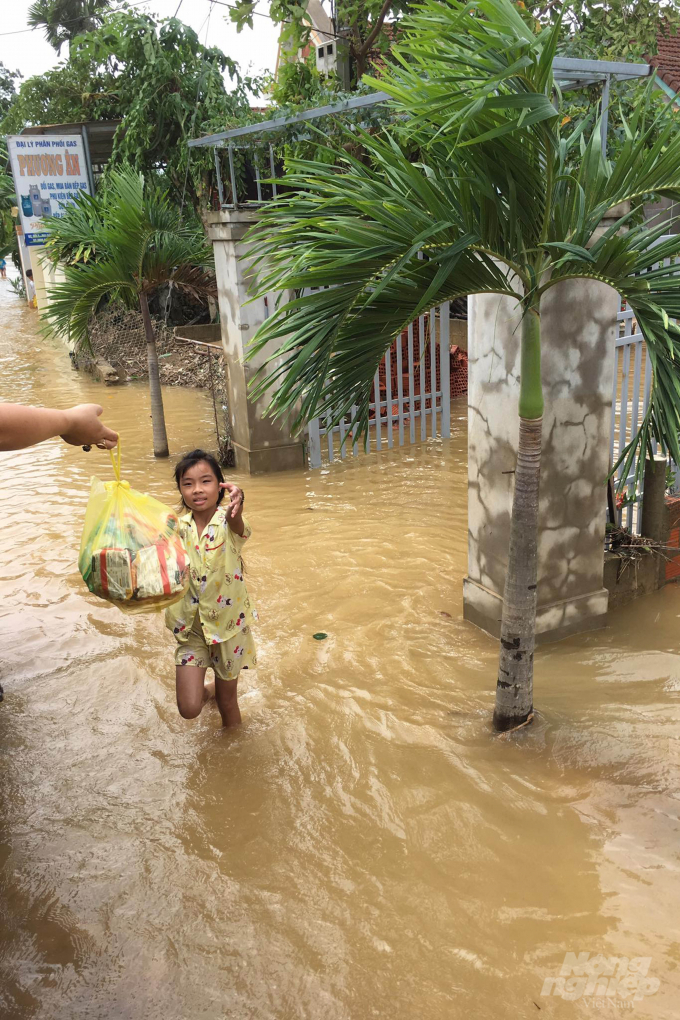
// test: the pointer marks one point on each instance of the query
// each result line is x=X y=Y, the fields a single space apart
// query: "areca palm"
x=124 y=244
x=63 y=20
x=505 y=200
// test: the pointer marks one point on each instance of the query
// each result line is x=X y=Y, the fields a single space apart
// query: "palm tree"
x=506 y=199
x=63 y=20
x=124 y=243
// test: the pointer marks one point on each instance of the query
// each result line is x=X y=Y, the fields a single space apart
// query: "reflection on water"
x=364 y=846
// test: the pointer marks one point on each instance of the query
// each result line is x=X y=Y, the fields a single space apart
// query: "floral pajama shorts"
x=227 y=658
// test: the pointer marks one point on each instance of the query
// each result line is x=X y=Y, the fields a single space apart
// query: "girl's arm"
x=235 y=508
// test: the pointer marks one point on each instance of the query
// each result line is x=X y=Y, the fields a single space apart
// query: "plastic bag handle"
x=115 y=460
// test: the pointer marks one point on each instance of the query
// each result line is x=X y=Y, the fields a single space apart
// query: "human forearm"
x=235 y=508
x=22 y=426
x=25 y=426
x=236 y=524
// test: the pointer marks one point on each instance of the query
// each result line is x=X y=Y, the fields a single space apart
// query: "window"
x=329 y=49
x=320 y=51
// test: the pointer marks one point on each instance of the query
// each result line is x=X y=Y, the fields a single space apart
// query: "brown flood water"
x=364 y=846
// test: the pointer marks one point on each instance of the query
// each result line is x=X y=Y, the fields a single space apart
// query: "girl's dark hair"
x=190 y=460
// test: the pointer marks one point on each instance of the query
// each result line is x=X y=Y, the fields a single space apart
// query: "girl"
x=212 y=621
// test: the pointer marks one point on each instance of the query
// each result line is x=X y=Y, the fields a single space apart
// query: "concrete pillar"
x=41 y=278
x=655 y=524
x=45 y=275
x=261 y=445
x=24 y=257
x=578 y=329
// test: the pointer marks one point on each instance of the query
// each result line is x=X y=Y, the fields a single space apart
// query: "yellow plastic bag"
x=131 y=552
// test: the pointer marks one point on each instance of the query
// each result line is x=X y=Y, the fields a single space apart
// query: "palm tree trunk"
x=514 y=690
x=160 y=436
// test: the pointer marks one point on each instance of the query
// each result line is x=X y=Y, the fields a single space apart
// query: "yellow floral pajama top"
x=212 y=621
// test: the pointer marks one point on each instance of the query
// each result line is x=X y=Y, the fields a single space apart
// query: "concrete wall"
x=644 y=568
x=627 y=577
x=261 y=444
x=578 y=329
x=664 y=210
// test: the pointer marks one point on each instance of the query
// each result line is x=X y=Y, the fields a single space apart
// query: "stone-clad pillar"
x=262 y=445
x=578 y=334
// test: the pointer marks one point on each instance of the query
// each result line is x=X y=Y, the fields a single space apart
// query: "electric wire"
x=141 y=3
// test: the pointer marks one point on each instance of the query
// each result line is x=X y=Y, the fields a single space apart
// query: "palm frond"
x=360 y=235
x=74 y=299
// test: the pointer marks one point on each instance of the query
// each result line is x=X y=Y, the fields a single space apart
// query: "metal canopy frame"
x=571 y=74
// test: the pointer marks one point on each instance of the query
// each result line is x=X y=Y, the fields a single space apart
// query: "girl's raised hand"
x=235 y=498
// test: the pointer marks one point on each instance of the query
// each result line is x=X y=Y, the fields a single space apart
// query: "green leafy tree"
x=608 y=29
x=8 y=241
x=140 y=244
x=63 y=20
x=8 y=93
x=618 y=30
x=8 y=89
x=299 y=84
x=499 y=205
x=70 y=92
x=161 y=81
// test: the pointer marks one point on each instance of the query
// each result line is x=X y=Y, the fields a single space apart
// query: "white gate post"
x=262 y=445
x=579 y=321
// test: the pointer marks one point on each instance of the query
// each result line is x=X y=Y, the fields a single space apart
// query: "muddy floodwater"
x=364 y=847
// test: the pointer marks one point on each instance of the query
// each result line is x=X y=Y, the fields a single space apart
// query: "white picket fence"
x=411 y=397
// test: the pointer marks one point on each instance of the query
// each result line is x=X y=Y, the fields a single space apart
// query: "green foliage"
x=158 y=78
x=620 y=30
x=17 y=285
x=77 y=238
x=63 y=20
x=505 y=199
x=70 y=92
x=299 y=84
x=8 y=92
x=8 y=241
x=140 y=243
x=7 y=196
x=609 y=29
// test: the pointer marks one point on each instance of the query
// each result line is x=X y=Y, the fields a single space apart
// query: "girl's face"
x=199 y=487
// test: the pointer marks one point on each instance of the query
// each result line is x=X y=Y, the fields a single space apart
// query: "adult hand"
x=235 y=498
x=86 y=429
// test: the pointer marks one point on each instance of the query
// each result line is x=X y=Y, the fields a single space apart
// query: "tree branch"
x=373 y=34
x=547 y=8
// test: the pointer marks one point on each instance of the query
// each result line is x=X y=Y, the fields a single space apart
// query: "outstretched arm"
x=235 y=508
x=22 y=426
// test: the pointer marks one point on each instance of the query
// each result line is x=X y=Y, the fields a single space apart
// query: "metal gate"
x=630 y=400
x=411 y=395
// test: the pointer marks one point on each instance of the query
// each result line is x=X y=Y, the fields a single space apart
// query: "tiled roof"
x=667 y=60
